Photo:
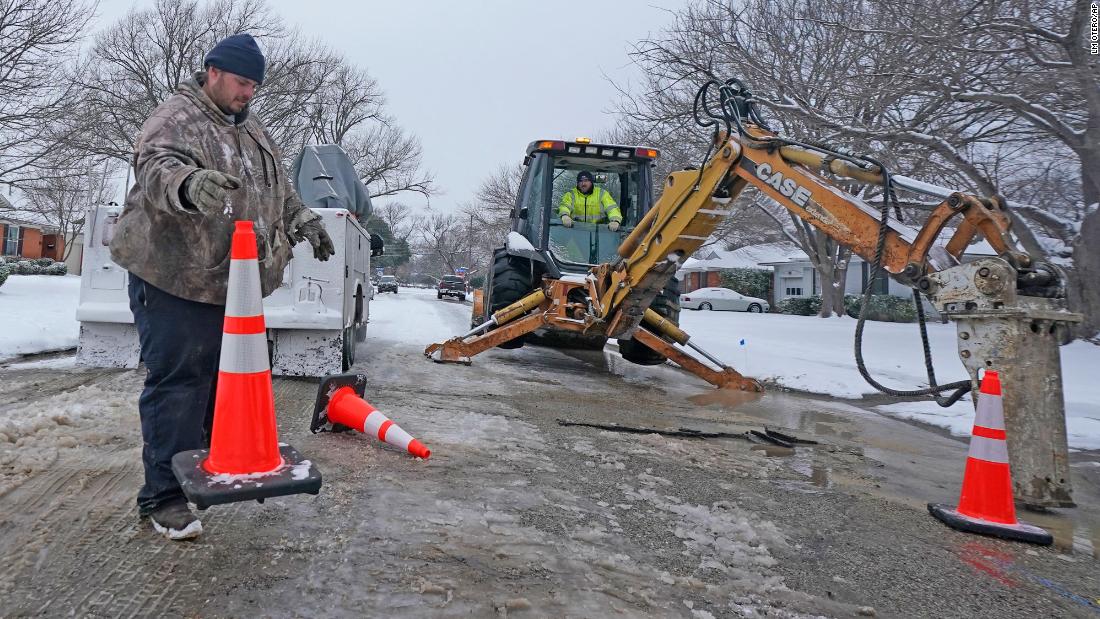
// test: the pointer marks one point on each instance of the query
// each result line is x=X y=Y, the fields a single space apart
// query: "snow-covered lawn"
x=38 y=313
x=816 y=355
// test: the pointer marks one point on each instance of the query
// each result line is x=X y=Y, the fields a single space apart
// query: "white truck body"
x=314 y=319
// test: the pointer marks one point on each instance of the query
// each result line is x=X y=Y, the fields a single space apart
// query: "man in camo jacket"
x=200 y=162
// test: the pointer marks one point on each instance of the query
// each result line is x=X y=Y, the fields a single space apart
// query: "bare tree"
x=37 y=39
x=310 y=94
x=487 y=216
x=137 y=63
x=965 y=95
x=399 y=217
x=713 y=39
x=1031 y=61
x=443 y=241
x=491 y=208
x=349 y=109
x=389 y=162
x=63 y=200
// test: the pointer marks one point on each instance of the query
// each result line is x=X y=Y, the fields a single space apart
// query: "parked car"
x=451 y=286
x=722 y=299
x=388 y=283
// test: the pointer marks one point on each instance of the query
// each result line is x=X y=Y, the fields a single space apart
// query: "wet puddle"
x=728 y=399
x=899 y=448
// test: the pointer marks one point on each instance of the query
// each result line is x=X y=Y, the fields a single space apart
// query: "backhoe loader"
x=587 y=282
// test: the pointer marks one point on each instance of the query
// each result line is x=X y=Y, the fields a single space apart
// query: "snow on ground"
x=38 y=313
x=429 y=320
x=816 y=355
x=65 y=362
x=31 y=435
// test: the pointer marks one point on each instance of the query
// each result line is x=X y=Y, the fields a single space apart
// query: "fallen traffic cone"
x=985 y=503
x=245 y=460
x=340 y=406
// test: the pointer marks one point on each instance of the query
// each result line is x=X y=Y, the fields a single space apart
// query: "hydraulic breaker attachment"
x=461 y=348
x=1018 y=336
x=724 y=378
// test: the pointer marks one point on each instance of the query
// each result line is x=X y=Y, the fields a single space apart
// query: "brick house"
x=28 y=235
x=30 y=239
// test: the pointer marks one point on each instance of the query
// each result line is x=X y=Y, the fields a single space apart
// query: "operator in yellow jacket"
x=588 y=203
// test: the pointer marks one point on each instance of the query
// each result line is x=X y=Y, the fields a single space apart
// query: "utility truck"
x=315 y=319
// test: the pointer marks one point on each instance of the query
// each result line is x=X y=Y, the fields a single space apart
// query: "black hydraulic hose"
x=964 y=385
x=734 y=97
x=961 y=387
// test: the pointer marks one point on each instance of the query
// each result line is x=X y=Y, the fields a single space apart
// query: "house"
x=796 y=277
x=30 y=235
x=704 y=271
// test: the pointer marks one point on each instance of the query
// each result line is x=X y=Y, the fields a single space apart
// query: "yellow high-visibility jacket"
x=596 y=207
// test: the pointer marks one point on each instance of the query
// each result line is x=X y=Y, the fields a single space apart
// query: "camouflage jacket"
x=175 y=247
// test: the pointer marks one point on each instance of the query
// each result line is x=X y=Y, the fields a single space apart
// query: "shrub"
x=43 y=262
x=5 y=271
x=883 y=308
x=35 y=267
x=26 y=267
x=10 y=259
x=800 y=306
x=749 y=282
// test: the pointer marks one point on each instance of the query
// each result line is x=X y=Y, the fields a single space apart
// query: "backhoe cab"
x=551 y=169
x=540 y=245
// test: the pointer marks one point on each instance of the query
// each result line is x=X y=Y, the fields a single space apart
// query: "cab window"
x=591 y=242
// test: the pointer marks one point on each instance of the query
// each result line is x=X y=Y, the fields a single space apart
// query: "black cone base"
x=297 y=475
x=1018 y=532
x=328 y=386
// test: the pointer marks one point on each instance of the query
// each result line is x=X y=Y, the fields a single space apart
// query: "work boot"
x=175 y=521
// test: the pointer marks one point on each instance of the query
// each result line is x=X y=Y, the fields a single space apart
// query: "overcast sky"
x=477 y=81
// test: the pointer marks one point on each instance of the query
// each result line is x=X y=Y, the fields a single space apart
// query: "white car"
x=722 y=299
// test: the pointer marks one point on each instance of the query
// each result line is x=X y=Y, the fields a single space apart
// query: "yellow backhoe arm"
x=693 y=204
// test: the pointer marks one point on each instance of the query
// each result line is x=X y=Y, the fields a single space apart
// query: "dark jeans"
x=181 y=341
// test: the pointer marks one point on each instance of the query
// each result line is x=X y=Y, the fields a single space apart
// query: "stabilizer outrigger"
x=538 y=310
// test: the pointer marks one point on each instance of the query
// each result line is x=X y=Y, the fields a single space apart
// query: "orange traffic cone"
x=244 y=439
x=245 y=460
x=340 y=405
x=985 y=503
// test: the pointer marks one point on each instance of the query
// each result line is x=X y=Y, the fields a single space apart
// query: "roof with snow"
x=749 y=257
x=11 y=212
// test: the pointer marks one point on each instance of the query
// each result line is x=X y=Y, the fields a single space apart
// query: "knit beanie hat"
x=238 y=54
x=585 y=174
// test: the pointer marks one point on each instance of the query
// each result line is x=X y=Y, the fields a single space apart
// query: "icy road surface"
x=515 y=515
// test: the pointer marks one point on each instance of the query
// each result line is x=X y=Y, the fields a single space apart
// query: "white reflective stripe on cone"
x=990 y=412
x=373 y=422
x=244 y=353
x=396 y=436
x=243 y=297
x=988 y=449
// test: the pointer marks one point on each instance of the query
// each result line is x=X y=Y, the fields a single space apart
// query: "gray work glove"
x=567 y=221
x=206 y=190
x=613 y=226
x=314 y=232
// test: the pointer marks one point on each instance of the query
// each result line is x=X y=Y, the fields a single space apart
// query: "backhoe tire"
x=666 y=304
x=511 y=282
